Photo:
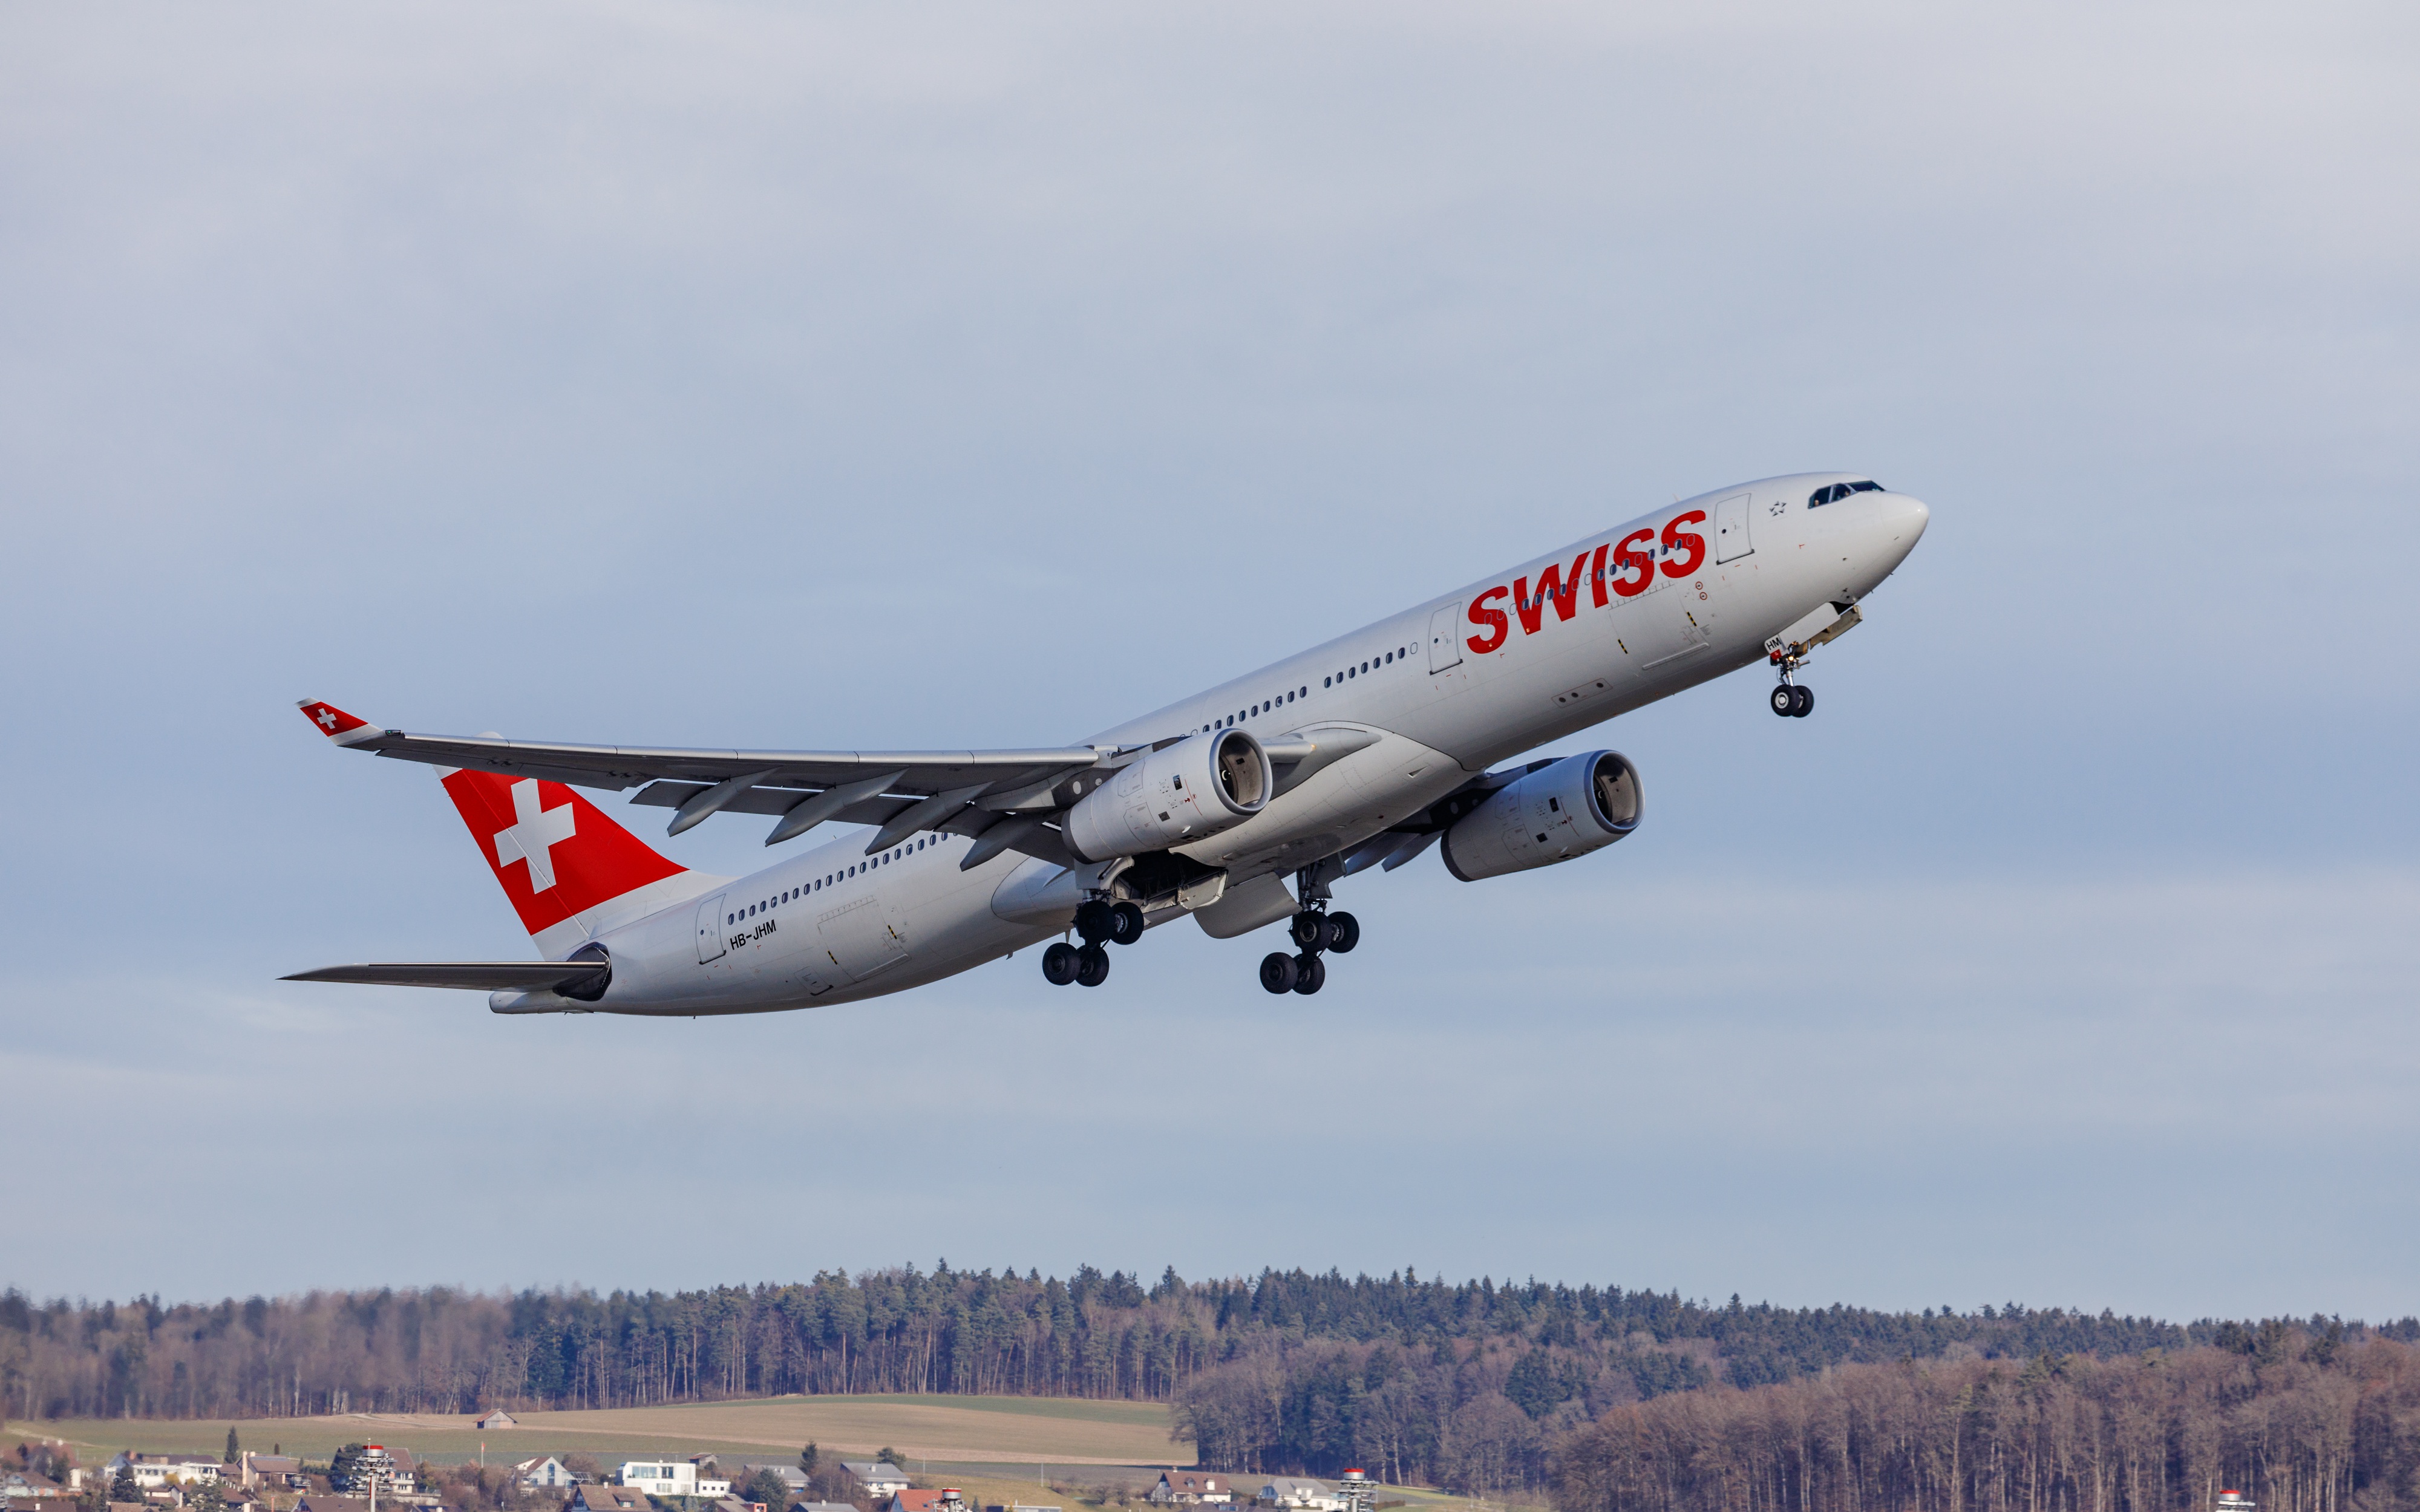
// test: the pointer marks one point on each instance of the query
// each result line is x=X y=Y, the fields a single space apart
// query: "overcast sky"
x=828 y=375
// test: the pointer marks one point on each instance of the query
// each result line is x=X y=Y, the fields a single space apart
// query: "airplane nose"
x=1893 y=524
x=1900 y=521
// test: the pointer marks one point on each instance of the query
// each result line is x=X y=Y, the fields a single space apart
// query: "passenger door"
x=1445 y=638
x=1732 y=529
x=709 y=928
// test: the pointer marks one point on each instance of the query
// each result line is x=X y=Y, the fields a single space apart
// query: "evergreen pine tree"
x=124 y=1488
x=234 y=1450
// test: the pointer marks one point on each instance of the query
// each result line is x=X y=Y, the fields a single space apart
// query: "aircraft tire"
x=1093 y=921
x=1784 y=700
x=1059 y=963
x=1126 y=923
x=1310 y=974
x=1345 y=931
x=1094 y=969
x=1805 y=703
x=1277 y=972
x=1312 y=932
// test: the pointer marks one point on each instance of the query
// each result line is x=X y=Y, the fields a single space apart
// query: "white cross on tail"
x=528 y=840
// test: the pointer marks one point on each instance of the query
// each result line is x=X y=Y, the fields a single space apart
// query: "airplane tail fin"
x=567 y=868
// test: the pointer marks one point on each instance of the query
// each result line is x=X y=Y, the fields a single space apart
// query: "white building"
x=545 y=1475
x=155 y=1472
x=671 y=1477
x=1300 y=1492
x=880 y=1477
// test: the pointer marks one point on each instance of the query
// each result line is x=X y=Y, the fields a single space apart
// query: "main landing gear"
x=1790 y=700
x=1097 y=920
x=1316 y=932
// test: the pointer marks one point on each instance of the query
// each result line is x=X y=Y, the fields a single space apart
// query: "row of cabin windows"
x=1387 y=659
x=1255 y=710
x=842 y=875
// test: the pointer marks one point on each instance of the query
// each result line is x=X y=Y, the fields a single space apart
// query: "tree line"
x=2299 y=1419
x=1559 y=1350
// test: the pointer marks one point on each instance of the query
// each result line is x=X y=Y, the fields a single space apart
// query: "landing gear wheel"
x=1126 y=923
x=1784 y=700
x=1092 y=966
x=1804 y=705
x=1278 y=973
x=1345 y=933
x=1093 y=921
x=1312 y=932
x=1061 y=962
x=1310 y=974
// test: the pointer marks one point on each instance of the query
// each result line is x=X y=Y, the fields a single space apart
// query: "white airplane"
x=1362 y=752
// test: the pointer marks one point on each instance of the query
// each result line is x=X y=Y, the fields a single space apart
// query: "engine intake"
x=1178 y=794
x=1578 y=805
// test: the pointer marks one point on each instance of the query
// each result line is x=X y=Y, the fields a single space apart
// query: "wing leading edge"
x=963 y=791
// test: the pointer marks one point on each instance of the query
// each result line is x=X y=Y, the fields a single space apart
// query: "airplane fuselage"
x=1435 y=694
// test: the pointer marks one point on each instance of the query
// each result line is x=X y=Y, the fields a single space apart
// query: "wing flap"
x=476 y=975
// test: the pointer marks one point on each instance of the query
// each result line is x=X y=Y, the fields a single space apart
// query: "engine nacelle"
x=1178 y=794
x=1579 y=804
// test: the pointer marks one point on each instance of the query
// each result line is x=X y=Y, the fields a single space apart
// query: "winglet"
x=331 y=721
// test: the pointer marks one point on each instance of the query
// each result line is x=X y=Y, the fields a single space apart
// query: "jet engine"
x=1177 y=794
x=1570 y=808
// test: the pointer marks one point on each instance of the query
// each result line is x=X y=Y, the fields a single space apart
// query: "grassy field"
x=997 y=1449
x=952 y=1430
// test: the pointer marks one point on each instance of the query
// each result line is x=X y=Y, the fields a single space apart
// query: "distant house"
x=545 y=1475
x=278 y=1472
x=673 y=1478
x=1189 y=1486
x=1300 y=1491
x=330 y=1501
x=950 y=1500
x=156 y=1472
x=879 y=1477
x=821 y=1506
x=794 y=1480
x=606 y=1499
x=26 y=1487
x=497 y=1419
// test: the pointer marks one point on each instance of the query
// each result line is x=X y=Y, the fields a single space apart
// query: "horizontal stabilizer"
x=475 y=976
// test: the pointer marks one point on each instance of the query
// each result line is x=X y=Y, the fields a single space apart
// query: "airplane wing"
x=965 y=791
x=484 y=976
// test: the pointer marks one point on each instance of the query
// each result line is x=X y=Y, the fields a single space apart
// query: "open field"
x=952 y=1430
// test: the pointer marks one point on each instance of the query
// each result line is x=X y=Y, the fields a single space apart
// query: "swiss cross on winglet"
x=333 y=721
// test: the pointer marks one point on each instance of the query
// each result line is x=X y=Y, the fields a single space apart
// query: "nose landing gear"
x=1790 y=700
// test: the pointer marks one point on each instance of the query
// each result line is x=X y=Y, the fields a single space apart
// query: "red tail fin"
x=555 y=854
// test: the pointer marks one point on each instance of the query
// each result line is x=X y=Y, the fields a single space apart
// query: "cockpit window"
x=1832 y=491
